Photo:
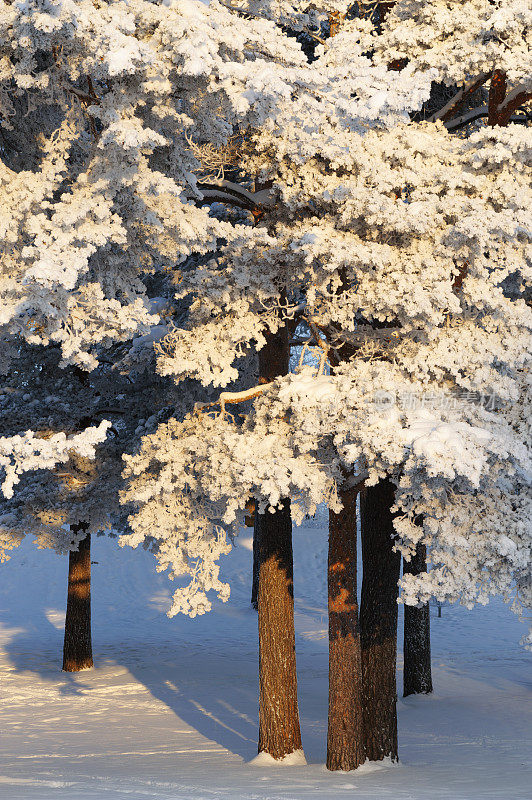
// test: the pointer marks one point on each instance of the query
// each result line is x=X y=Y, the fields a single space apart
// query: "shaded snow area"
x=170 y=711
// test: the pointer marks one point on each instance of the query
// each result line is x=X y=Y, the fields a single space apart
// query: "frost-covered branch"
x=473 y=114
x=518 y=97
x=446 y=113
x=31 y=451
x=224 y=191
x=234 y=397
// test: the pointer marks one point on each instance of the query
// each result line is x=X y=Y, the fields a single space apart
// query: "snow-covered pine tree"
x=63 y=504
x=459 y=100
x=49 y=498
x=427 y=234
x=98 y=186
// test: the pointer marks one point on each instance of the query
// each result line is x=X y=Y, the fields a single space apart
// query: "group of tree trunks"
x=362 y=721
x=362 y=655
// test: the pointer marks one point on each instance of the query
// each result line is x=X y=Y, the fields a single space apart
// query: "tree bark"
x=417 y=676
x=378 y=621
x=77 y=648
x=279 y=731
x=256 y=562
x=274 y=360
x=345 y=741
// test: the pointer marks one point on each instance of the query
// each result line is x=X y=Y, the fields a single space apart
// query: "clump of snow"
x=294 y=759
x=373 y=766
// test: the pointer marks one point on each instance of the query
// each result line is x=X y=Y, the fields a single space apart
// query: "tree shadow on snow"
x=211 y=694
x=210 y=684
x=205 y=669
x=35 y=647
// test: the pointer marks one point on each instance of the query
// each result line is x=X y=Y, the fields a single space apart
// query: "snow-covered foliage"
x=64 y=477
x=457 y=463
x=460 y=40
x=407 y=250
x=67 y=479
x=99 y=104
x=21 y=453
x=402 y=247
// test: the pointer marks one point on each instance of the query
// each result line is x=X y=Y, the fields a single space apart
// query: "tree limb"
x=459 y=99
x=234 y=397
x=513 y=100
x=478 y=113
x=224 y=191
x=470 y=116
x=496 y=95
x=219 y=196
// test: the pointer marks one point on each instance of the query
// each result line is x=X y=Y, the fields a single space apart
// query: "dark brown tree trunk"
x=378 y=621
x=279 y=732
x=77 y=648
x=417 y=676
x=345 y=741
x=256 y=562
x=274 y=360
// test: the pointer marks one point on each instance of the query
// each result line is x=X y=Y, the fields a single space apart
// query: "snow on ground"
x=170 y=711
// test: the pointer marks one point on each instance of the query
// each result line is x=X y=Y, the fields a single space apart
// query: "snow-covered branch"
x=446 y=113
x=516 y=98
x=31 y=451
x=225 y=191
x=234 y=397
x=473 y=114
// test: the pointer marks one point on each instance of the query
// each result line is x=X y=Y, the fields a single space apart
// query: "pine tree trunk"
x=417 y=676
x=274 y=360
x=279 y=732
x=345 y=742
x=378 y=621
x=77 y=648
x=256 y=562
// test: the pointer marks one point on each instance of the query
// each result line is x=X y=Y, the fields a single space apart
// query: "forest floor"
x=170 y=710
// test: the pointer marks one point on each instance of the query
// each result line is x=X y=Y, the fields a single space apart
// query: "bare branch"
x=498 y=111
x=298 y=341
x=219 y=196
x=258 y=198
x=224 y=191
x=321 y=342
x=84 y=97
x=294 y=311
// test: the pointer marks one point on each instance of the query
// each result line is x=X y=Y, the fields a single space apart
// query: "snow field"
x=170 y=711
